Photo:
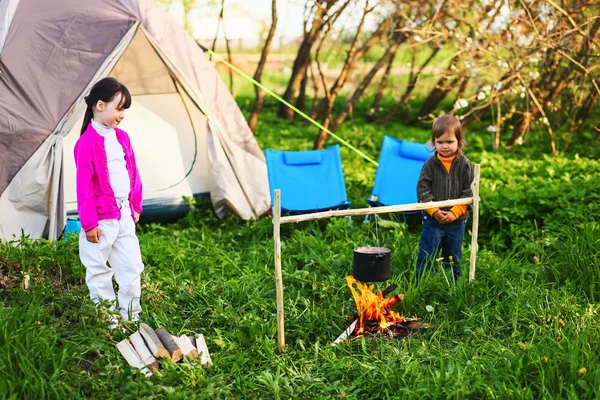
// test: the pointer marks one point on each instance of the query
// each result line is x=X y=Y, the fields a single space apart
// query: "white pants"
x=120 y=247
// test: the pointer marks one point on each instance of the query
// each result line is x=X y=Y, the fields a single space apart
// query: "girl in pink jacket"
x=109 y=201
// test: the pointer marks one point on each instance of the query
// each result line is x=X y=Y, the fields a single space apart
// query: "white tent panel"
x=163 y=141
x=7 y=12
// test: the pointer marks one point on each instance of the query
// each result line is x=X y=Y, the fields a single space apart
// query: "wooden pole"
x=278 y=277
x=475 y=230
x=375 y=210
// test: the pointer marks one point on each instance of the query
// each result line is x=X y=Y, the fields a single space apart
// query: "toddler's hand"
x=440 y=216
x=93 y=235
x=450 y=217
x=136 y=217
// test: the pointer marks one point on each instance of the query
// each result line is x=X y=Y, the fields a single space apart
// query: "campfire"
x=374 y=314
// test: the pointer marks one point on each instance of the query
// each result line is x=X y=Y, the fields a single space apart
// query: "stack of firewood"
x=146 y=346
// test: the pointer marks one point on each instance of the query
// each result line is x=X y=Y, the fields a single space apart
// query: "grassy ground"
x=528 y=327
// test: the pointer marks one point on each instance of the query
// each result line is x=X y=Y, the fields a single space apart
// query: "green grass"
x=528 y=327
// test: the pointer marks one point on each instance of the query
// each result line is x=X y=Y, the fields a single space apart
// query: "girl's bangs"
x=125 y=98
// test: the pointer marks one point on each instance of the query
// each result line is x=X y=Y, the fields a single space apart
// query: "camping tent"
x=188 y=133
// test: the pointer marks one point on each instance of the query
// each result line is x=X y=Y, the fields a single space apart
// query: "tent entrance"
x=168 y=133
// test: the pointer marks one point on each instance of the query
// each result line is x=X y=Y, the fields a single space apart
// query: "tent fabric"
x=55 y=51
x=7 y=12
x=400 y=164
x=309 y=180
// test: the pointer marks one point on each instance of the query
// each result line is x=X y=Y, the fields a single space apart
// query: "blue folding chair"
x=400 y=164
x=72 y=226
x=310 y=181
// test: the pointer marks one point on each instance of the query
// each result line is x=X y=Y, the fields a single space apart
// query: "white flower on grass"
x=522 y=95
x=498 y=86
x=505 y=64
x=520 y=140
x=453 y=67
x=451 y=24
x=545 y=121
x=487 y=89
x=467 y=65
x=418 y=38
x=481 y=96
x=429 y=308
x=499 y=62
x=533 y=60
x=492 y=128
x=460 y=103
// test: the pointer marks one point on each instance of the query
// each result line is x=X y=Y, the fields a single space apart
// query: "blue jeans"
x=436 y=236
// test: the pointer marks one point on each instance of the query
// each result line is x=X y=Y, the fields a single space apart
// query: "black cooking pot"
x=372 y=264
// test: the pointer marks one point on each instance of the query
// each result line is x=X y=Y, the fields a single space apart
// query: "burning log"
x=375 y=314
x=348 y=331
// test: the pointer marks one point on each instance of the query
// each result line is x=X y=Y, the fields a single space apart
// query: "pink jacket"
x=95 y=197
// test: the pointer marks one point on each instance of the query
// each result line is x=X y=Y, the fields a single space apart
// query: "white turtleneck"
x=115 y=158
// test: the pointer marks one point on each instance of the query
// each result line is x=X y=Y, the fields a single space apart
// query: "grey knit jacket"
x=436 y=184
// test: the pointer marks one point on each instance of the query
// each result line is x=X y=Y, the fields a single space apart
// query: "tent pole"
x=475 y=230
x=278 y=277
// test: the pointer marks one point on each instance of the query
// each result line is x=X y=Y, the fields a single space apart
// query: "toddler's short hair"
x=448 y=123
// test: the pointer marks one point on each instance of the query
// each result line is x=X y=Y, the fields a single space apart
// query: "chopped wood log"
x=153 y=342
x=140 y=347
x=132 y=357
x=170 y=344
x=203 y=350
x=346 y=334
x=187 y=348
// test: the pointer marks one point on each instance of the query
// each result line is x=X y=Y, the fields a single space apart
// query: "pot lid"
x=372 y=250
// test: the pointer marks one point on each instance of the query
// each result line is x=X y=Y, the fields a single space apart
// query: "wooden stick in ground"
x=140 y=347
x=187 y=348
x=170 y=344
x=278 y=277
x=475 y=230
x=153 y=342
x=374 y=210
x=203 y=350
x=132 y=357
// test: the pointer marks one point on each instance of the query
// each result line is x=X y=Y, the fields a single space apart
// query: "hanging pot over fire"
x=372 y=264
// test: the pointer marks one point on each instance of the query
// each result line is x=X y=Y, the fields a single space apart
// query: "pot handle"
x=380 y=255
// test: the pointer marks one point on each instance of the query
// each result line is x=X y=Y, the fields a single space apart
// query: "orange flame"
x=373 y=307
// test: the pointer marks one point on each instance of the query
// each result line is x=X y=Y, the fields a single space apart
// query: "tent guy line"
x=312 y=121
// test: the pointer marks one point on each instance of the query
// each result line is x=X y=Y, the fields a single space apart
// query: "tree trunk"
x=322 y=136
x=560 y=85
x=258 y=103
x=303 y=57
x=413 y=79
x=380 y=89
x=351 y=59
x=440 y=91
x=301 y=99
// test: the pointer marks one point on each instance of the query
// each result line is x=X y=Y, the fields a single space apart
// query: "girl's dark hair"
x=451 y=124
x=105 y=89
